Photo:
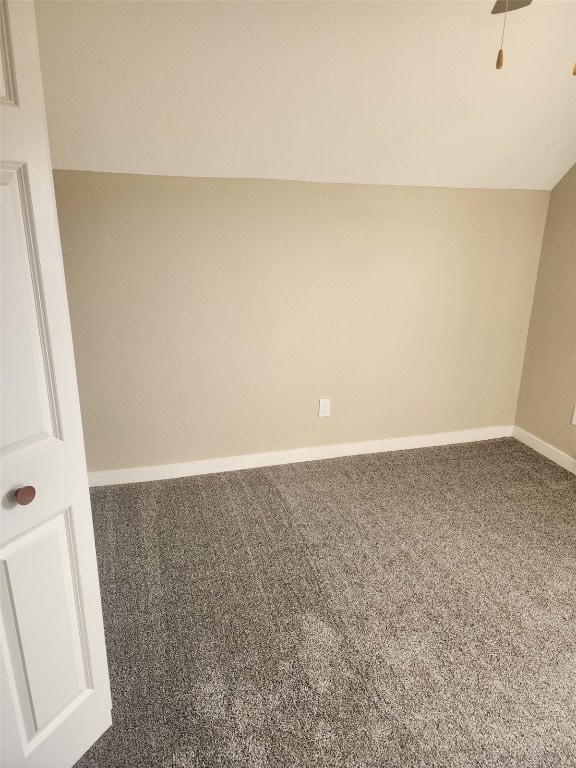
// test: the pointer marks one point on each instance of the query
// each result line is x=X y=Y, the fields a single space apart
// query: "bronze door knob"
x=25 y=495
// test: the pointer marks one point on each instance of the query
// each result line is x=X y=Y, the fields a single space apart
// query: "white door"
x=55 y=694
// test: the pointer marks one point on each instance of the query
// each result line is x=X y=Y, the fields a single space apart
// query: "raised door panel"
x=8 y=94
x=29 y=409
x=43 y=627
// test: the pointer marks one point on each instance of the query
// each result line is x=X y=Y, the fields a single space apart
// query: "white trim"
x=538 y=445
x=249 y=461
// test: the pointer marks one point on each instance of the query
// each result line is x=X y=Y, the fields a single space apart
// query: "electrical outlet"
x=324 y=407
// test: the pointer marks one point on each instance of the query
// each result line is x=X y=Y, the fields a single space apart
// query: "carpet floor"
x=402 y=610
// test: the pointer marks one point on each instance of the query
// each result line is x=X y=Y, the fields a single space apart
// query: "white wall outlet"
x=324 y=407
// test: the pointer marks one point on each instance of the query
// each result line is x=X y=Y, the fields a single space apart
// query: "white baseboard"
x=249 y=461
x=545 y=449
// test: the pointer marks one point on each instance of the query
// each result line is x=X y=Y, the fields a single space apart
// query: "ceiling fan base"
x=513 y=5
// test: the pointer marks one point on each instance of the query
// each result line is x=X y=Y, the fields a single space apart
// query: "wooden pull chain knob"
x=25 y=495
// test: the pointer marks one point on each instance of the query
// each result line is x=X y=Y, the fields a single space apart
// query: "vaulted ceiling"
x=396 y=92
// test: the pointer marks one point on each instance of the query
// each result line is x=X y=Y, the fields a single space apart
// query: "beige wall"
x=548 y=390
x=210 y=315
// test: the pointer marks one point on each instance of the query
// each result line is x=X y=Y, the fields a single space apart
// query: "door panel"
x=25 y=337
x=55 y=698
x=56 y=671
x=7 y=80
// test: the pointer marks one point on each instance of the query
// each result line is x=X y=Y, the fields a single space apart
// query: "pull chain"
x=500 y=58
x=574 y=69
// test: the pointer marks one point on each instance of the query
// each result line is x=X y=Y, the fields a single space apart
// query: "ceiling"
x=362 y=92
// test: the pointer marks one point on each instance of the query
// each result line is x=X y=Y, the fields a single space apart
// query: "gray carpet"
x=404 y=609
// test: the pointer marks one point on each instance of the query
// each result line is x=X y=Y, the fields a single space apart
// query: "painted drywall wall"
x=210 y=315
x=357 y=92
x=548 y=389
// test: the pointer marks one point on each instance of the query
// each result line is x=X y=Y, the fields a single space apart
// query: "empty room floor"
x=393 y=610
